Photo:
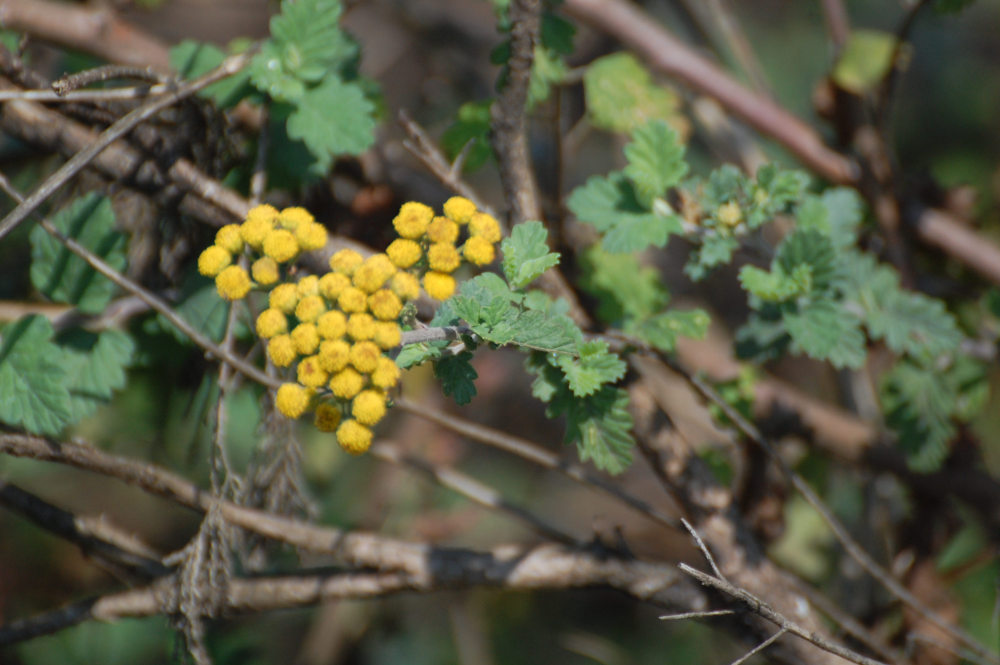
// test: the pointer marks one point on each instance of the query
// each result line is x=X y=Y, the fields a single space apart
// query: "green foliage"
x=200 y=305
x=826 y=331
x=621 y=95
x=655 y=161
x=95 y=368
x=65 y=277
x=333 y=118
x=864 y=61
x=191 y=59
x=457 y=375
x=526 y=254
x=624 y=288
x=471 y=124
x=591 y=367
x=548 y=66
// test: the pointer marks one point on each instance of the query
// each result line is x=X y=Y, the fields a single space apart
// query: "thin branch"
x=697 y=615
x=95 y=96
x=72 y=82
x=760 y=647
x=704 y=550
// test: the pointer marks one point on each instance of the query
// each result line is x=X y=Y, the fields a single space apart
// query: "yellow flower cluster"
x=428 y=243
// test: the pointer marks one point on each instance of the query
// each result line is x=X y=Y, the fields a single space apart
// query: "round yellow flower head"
x=332 y=324
x=213 y=261
x=265 y=271
x=484 y=226
x=233 y=283
x=388 y=335
x=309 y=308
x=729 y=214
x=280 y=245
x=311 y=236
x=478 y=251
x=373 y=273
x=368 y=407
x=439 y=285
x=386 y=374
x=403 y=253
x=442 y=229
x=334 y=355
x=332 y=284
x=352 y=300
x=293 y=218
x=271 y=322
x=360 y=326
x=308 y=286
x=229 y=238
x=310 y=374
x=292 y=399
x=459 y=209
x=347 y=383
x=405 y=285
x=305 y=337
x=364 y=356
x=281 y=350
x=284 y=297
x=385 y=305
x=263 y=212
x=259 y=221
x=412 y=220
x=345 y=261
x=443 y=257
x=327 y=417
x=354 y=437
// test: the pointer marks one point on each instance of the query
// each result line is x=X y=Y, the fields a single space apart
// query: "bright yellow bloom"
x=352 y=299
x=265 y=212
x=403 y=253
x=281 y=350
x=271 y=322
x=229 y=238
x=332 y=324
x=233 y=283
x=345 y=261
x=334 y=355
x=484 y=226
x=373 y=273
x=439 y=285
x=310 y=374
x=347 y=383
x=405 y=285
x=292 y=399
x=293 y=218
x=284 y=297
x=729 y=214
x=213 y=261
x=280 y=245
x=354 y=437
x=443 y=257
x=305 y=337
x=361 y=326
x=386 y=374
x=311 y=236
x=385 y=305
x=412 y=220
x=459 y=209
x=327 y=417
x=308 y=286
x=368 y=407
x=364 y=356
x=442 y=229
x=309 y=309
x=260 y=220
x=265 y=271
x=478 y=251
x=332 y=284
x=387 y=334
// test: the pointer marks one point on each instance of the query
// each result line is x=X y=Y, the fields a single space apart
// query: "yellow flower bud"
x=386 y=374
x=292 y=399
x=271 y=322
x=334 y=355
x=360 y=326
x=478 y=251
x=439 y=285
x=305 y=337
x=309 y=309
x=264 y=212
x=443 y=257
x=387 y=335
x=213 y=260
x=281 y=350
x=293 y=218
x=332 y=324
x=284 y=297
x=310 y=374
x=405 y=285
x=729 y=214
x=385 y=305
x=412 y=220
x=364 y=356
x=265 y=271
x=442 y=229
x=352 y=300
x=354 y=437
x=373 y=273
x=327 y=417
x=403 y=253
x=280 y=245
x=229 y=238
x=311 y=236
x=368 y=407
x=345 y=261
x=332 y=284
x=233 y=283
x=485 y=226
x=347 y=383
x=308 y=286
x=259 y=222
x=459 y=209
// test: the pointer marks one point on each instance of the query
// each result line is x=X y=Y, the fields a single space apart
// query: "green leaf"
x=601 y=427
x=95 y=367
x=416 y=354
x=824 y=330
x=610 y=205
x=622 y=285
x=191 y=59
x=457 y=375
x=472 y=123
x=655 y=161
x=662 y=330
x=912 y=323
x=773 y=191
x=334 y=118
x=809 y=248
x=33 y=393
x=843 y=209
x=715 y=250
x=547 y=70
x=763 y=337
x=776 y=286
x=526 y=254
x=592 y=369
x=63 y=276
x=621 y=95
x=918 y=403
x=557 y=33
x=864 y=61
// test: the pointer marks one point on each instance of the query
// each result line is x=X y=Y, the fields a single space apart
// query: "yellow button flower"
x=729 y=214
x=347 y=383
x=442 y=229
x=229 y=238
x=265 y=271
x=292 y=399
x=327 y=418
x=280 y=245
x=345 y=261
x=284 y=297
x=309 y=309
x=352 y=300
x=403 y=253
x=373 y=273
x=354 y=437
x=443 y=257
x=484 y=226
x=213 y=260
x=308 y=286
x=332 y=324
x=263 y=212
x=387 y=335
x=293 y=218
x=334 y=355
x=332 y=284
x=233 y=283
x=310 y=374
x=271 y=322
x=259 y=222
x=439 y=285
x=459 y=209
x=412 y=220
x=405 y=285
x=311 y=236
x=368 y=407
x=305 y=337
x=364 y=356
x=361 y=326
x=479 y=251
x=385 y=305
x=281 y=350
x=386 y=374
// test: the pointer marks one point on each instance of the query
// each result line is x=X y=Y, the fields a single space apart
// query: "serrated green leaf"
x=772 y=192
x=635 y=233
x=724 y=184
x=526 y=254
x=557 y=33
x=808 y=247
x=95 y=367
x=538 y=330
x=812 y=214
x=655 y=161
x=472 y=123
x=334 y=118
x=918 y=403
x=843 y=209
x=621 y=95
x=864 y=61
x=912 y=323
x=547 y=70
x=63 y=276
x=776 y=286
x=824 y=330
x=714 y=250
x=593 y=368
x=416 y=354
x=609 y=204
x=457 y=376
x=191 y=59
x=622 y=285
x=662 y=330
x=601 y=427
x=33 y=393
